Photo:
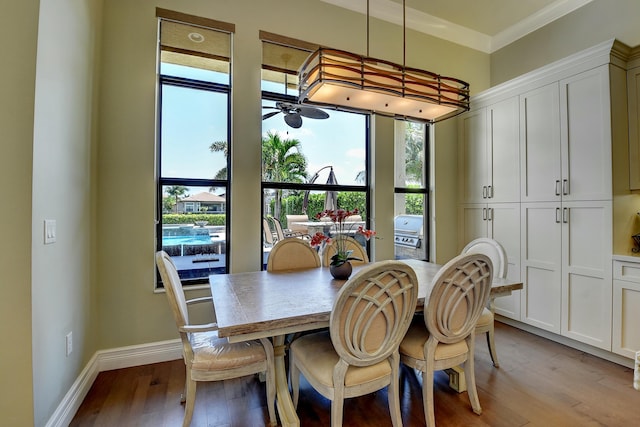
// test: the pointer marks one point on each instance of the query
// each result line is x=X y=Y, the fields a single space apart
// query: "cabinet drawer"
x=629 y=271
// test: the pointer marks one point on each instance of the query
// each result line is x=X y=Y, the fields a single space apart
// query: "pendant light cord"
x=404 y=34
x=368 y=27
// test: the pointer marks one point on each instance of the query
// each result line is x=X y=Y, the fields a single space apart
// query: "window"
x=193 y=134
x=309 y=162
x=411 y=239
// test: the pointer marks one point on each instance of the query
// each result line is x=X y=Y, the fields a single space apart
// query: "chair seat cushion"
x=211 y=352
x=314 y=353
x=486 y=318
x=413 y=343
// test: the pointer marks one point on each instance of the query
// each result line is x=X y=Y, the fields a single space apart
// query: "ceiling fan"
x=293 y=113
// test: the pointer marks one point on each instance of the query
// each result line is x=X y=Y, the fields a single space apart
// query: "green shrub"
x=212 y=219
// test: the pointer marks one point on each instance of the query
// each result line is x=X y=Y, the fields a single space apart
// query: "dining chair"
x=459 y=293
x=292 y=225
x=495 y=251
x=359 y=353
x=206 y=356
x=292 y=254
x=352 y=244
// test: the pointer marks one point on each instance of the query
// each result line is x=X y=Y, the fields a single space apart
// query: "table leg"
x=288 y=415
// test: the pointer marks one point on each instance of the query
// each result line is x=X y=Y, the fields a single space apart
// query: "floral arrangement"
x=342 y=227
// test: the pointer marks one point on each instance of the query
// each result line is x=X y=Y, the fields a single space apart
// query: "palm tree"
x=175 y=192
x=216 y=147
x=282 y=161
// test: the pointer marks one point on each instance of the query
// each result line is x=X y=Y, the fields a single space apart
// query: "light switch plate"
x=49 y=231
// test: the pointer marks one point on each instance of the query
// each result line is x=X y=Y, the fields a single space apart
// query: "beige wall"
x=18 y=40
x=598 y=21
x=63 y=184
x=130 y=312
x=102 y=285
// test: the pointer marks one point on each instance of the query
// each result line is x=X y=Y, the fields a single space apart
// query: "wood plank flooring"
x=539 y=383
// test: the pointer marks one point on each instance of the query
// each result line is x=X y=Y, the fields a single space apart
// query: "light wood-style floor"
x=539 y=383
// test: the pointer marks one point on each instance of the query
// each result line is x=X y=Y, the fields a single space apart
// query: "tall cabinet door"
x=541 y=229
x=472 y=223
x=585 y=117
x=540 y=162
x=504 y=226
x=473 y=156
x=504 y=151
x=586 y=272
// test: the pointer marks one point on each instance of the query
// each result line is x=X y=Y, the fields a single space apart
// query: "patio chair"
x=282 y=233
x=208 y=357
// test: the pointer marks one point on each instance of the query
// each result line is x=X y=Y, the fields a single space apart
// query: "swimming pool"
x=197 y=239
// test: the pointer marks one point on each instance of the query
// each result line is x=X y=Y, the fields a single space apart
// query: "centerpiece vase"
x=342 y=271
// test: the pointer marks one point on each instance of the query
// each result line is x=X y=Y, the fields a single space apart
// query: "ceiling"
x=485 y=25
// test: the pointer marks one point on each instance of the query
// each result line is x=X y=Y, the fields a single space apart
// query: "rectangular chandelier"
x=339 y=78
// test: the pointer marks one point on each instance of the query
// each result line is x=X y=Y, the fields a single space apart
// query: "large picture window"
x=313 y=159
x=193 y=134
x=411 y=237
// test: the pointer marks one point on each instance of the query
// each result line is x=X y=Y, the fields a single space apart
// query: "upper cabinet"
x=633 y=87
x=489 y=154
x=566 y=139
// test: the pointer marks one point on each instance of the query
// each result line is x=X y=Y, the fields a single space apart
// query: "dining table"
x=263 y=304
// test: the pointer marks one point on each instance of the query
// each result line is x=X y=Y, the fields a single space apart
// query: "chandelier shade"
x=338 y=78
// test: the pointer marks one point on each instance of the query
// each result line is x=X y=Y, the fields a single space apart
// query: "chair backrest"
x=268 y=234
x=292 y=254
x=493 y=250
x=459 y=294
x=277 y=226
x=173 y=288
x=292 y=219
x=372 y=312
x=352 y=244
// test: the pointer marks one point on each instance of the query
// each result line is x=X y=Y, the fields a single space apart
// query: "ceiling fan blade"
x=294 y=120
x=271 y=114
x=312 y=113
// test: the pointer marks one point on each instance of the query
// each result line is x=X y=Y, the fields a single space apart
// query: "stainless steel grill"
x=408 y=235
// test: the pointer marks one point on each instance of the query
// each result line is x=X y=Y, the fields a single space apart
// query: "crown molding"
x=391 y=11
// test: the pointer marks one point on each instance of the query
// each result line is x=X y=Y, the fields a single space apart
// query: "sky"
x=192 y=121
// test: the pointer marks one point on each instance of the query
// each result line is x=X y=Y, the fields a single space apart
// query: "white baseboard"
x=598 y=352
x=107 y=360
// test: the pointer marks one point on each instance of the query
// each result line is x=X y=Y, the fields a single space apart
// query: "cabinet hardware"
x=565 y=212
x=565 y=187
x=490 y=192
x=490 y=214
x=484 y=214
x=557 y=187
x=557 y=215
x=484 y=191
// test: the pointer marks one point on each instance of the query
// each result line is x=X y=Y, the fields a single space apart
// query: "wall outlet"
x=69 y=342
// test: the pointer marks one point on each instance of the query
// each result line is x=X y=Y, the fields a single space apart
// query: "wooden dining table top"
x=263 y=304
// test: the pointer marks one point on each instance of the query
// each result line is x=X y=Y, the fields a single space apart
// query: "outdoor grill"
x=408 y=236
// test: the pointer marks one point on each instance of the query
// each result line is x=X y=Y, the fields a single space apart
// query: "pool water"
x=186 y=240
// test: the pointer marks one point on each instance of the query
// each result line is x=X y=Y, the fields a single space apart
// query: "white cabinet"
x=585 y=135
x=565 y=137
x=489 y=153
x=586 y=272
x=499 y=221
x=540 y=161
x=633 y=105
x=626 y=307
x=565 y=269
x=541 y=265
